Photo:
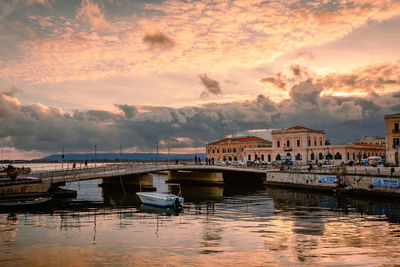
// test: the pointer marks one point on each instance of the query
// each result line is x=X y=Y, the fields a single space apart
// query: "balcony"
x=395 y=131
x=287 y=148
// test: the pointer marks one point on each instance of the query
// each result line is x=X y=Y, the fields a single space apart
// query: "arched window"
x=364 y=156
x=269 y=158
x=234 y=150
x=329 y=156
x=223 y=150
x=249 y=157
x=315 y=142
x=224 y=159
x=230 y=159
x=320 y=141
x=229 y=150
x=278 y=157
x=354 y=155
x=312 y=156
x=255 y=157
x=235 y=158
x=262 y=157
x=321 y=156
x=338 y=155
x=298 y=156
x=348 y=156
x=288 y=143
x=309 y=142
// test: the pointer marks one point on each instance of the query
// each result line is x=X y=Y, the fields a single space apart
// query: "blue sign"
x=382 y=182
x=327 y=179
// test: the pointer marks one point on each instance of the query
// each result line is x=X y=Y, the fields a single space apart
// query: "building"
x=392 y=122
x=304 y=145
x=232 y=149
x=371 y=140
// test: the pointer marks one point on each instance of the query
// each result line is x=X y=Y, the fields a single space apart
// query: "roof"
x=370 y=145
x=298 y=127
x=241 y=139
x=392 y=116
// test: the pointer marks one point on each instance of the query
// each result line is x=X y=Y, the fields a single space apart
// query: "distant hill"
x=116 y=156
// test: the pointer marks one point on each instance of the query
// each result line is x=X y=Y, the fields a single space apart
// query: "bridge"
x=136 y=169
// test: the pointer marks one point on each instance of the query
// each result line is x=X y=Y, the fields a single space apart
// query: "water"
x=218 y=226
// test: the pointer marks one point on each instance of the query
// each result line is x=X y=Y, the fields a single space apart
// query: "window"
x=208 y=151
x=235 y=158
x=321 y=157
x=278 y=157
x=230 y=158
x=213 y=151
x=395 y=142
x=249 y=157
x=298 y=142
x=234 y=150
x=312 y=156
x=320 y=142
x=278 y=143
x=315 y=142
x=309 y=142
x=223 y=150
x=354 y=155
x=217 y=150
x=262 y=157
x=298 y=156
x=229 y=150
x=348 y=156
x=338 y=155
x=288 y=143
x=396 y=127
x=269 y=158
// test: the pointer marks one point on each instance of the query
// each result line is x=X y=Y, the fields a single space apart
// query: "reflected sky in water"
x=218 y=226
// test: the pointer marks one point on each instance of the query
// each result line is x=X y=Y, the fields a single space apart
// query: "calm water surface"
x=218 y=226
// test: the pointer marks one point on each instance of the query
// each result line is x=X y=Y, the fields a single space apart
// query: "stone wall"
x=359 y=183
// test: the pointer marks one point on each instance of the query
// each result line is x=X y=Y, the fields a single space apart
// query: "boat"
x=160 y=199
x=25 y=202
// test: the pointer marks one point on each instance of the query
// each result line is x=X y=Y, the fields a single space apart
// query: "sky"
x=80 y=73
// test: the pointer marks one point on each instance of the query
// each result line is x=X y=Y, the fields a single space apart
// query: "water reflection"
x=227 y=226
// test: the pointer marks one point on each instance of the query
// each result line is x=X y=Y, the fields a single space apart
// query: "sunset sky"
x=78 y=73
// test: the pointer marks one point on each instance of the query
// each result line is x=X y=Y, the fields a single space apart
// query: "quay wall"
x=320 y=181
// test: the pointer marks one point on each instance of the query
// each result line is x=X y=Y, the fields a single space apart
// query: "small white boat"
x=160 y=199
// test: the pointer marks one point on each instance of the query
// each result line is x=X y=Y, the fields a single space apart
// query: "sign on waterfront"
x=325 y=179
x=383 y=182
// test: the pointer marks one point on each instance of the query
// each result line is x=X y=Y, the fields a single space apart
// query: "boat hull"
x=159 y=199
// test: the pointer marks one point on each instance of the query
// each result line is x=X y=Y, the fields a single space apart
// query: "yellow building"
x=231 y=149
x=392 y=123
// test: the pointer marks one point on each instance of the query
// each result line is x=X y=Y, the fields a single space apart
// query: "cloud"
x=13 y=90
x=129 y=110
x=42 y=128
x=158 y=41
x=212 y=86
x=92 y=13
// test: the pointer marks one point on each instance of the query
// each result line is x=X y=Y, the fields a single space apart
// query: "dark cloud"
x=277 y=81
x=129 y=110
x=158 y=41
x=212 y=86
x=47 y=128
x=306 y=92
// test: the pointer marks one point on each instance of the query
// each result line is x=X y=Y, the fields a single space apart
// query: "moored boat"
x=24 y=202
x=160 y=199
